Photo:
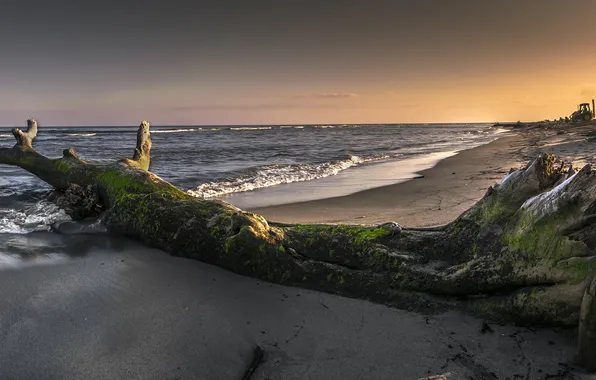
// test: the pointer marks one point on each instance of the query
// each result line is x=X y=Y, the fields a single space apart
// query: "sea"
x=248 y=166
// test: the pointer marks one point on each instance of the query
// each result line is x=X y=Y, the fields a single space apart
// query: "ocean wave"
x=33 y=217
x=249 y=128
x=5 y=135
x=272 y=175
x=338 y=126
x=500 y=130
x=291 y=126
x=82 y=134
x=177 y=130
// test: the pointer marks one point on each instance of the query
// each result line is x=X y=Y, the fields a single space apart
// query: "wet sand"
x=447 y=189
x=121 y=311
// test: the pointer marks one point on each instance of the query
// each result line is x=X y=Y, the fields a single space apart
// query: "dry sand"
x=113 y=309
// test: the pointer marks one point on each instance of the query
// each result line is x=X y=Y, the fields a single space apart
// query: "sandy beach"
x=101 y=307
x=121 y=311
x=444 y=192
x=447 y=189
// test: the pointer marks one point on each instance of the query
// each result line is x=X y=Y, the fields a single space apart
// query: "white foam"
x=249 y=128
x=179 y=130
x=272 y=175
x=338 y=126
x=500 y=130
x=35 y=217
x=82 y=134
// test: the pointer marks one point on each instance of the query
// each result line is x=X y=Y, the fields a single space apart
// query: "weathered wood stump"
x=587 y=329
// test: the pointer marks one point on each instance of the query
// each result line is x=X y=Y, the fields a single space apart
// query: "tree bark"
x=587 y=329
x=524 y=253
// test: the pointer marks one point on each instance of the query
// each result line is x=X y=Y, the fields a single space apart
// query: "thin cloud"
x=249 y=107
x=328 y=95
x=286 y=106
x=589 y=91
x=337 y=95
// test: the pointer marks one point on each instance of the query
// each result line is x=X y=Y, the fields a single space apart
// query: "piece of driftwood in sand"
x=524 y=253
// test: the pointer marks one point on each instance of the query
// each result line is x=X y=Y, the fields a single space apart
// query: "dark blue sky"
x=218 y=62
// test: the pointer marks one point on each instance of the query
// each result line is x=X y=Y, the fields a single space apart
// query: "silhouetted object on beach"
x=584 y=112
x=524 y=253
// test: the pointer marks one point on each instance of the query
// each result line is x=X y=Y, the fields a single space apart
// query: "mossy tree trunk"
x=525 y=252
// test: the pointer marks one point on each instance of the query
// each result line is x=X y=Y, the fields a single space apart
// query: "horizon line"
x=259 y=124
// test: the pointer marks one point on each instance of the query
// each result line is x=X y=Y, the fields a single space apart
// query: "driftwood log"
x=525 y=253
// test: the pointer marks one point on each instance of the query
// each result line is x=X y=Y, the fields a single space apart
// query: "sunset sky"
x=268 y=62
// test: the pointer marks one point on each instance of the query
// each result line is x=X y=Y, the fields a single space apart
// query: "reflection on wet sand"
x=45 y=247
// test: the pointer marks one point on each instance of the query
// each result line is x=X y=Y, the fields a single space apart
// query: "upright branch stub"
x=143 y=149
x=25 y=139
x=71 y=154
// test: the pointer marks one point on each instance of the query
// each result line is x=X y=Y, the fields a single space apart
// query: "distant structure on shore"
x=583 y=113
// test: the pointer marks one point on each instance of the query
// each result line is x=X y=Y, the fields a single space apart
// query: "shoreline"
x=443 y=192
x=347 y=182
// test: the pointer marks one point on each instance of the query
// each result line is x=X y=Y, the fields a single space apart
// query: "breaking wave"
x=272 y=175
x=82 y=134
x=177 y=130
x=500 y=130
x=32 y=217
x=338 y=126
x=249 y=128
